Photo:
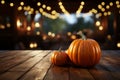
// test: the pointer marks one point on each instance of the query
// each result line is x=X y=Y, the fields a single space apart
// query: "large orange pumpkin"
x=84 y=53
x=59 y=58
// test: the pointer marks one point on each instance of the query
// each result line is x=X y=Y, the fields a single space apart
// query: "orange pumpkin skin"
x=84 y=53
x=59 y=58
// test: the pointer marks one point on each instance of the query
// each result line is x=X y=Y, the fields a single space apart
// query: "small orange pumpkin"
x=84 y=53
x=59 y=58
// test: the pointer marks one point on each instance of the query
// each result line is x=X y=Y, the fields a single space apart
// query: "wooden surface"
x=36 y=65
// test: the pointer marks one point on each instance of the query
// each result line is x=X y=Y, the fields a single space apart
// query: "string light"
x=101 y=6
x=43 y=6
x=37 y=33
x=11 y=4
x=63 y=8
x=19 y=8
x=111 y=4
x=38 y=3
x=2 y=2
x=80 y=9
x=28 y=28
x=118 y=44
x=107 y=7
x=97 y=23
x=48 y=8
x=101 y=28
x=105 y=13
x=117 y=2
x=21 y=3
x=109 y=13
x=103 y=3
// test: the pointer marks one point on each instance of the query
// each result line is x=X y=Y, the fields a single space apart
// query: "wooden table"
x=36 y=65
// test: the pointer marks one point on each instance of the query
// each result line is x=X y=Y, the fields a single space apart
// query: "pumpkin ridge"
x=79 y=51
x=75 y=50
x=98 y=51
x=70 y=52
x=91 y=55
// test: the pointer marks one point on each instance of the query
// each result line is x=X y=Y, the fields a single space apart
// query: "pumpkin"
x=59 y=58
x=84 y=52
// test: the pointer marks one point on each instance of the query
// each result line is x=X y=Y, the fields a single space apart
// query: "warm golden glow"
x=73 y=36
x=100 y=14
x=28 y=8
x=118 y=6
x=100 y=28
x=105 y=13
x=41 y=10
x=11 y=4
x=2 y=2
x=36 y=12
x=118 y=44
x=60 y=3
x=107 y=7
x=82 y=3
x=53 y=35
x=19 y=23
x=103 y=9
x=97 y=23
x=103 y=3
x=63 y=9
x=49 y=33
x=37 y=33
x=99 y=6
x=48 y=8
x=111 y=4
x=117 y=2
x=8 y=25
x=109 y=13
x=19 y=8
x=69 y=33
x=2 y=27
x=37 y=24
x=43 y=6
x=94 y=11
x=44 y=37
x=25 y=8
x=28 y=28
x=109 y=37
x=21 y=3
x=31 y=45
x=53 y=12
x=35 y=45
x=38 y=3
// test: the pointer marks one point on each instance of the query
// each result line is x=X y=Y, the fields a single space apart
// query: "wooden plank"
x=14 y=54
x=10 y=75
x=39 y=70
x=80 y=74
x=57 y=73
x=23 y=68
x=15 y=61
x=99 y=73
x=29 y=63
x=105 y=70
x=6 y=53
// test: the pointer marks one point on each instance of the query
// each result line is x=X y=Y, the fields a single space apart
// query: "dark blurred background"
x=50 y=24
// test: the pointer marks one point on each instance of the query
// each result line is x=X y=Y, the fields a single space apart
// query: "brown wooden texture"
x=36 y=65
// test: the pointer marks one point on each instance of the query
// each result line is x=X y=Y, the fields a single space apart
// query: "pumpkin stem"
x=60 y=48
x=82 y=35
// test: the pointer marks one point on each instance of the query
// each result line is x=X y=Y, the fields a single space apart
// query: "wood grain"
x=36 y=65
